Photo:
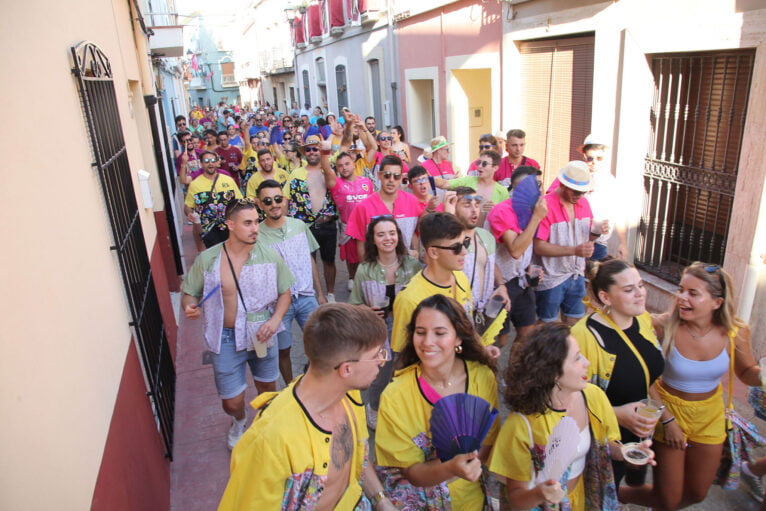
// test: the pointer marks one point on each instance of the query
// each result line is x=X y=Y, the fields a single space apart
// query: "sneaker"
x=330 y=298
x=753 y=483
x=350 y=284
x=372 y=417
x=236 y=430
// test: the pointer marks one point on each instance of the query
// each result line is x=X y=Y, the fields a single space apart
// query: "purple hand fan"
x=525 y=196
x=459 y=424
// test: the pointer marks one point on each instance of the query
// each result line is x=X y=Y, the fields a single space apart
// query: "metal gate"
x=690 y=172
x=93 y=71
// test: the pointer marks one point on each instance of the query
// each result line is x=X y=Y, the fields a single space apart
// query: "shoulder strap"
x=532 y=474
x=632 y=348
x=732 y=350
x=211 y=198
x=234 y=276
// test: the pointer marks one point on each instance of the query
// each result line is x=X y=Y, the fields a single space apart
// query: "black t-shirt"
x=628 y=383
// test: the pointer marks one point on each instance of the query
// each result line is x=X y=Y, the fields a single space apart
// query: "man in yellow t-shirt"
x=307 y=446
x=445 y=247
x=207 y=198
x=266 y=170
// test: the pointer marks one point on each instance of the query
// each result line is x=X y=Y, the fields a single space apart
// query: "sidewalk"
x=200 y=467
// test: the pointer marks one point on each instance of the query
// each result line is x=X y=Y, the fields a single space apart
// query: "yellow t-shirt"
x=418 y=290
x=512 y=454
x=200 y=189
x=257 y=178
x=404 y=419
x=282 y=460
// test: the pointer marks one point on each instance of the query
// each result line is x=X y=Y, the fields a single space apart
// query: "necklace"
x=396 y=261
x=697 y=336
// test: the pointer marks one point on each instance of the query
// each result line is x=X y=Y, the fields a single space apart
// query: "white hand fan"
x=561 y=450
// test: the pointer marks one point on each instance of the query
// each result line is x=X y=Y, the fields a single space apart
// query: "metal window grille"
x=690 y=172
x=94 y=80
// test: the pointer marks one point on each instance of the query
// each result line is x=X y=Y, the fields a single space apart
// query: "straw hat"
x=576 y=176
x=436 y=144
x=311 y=140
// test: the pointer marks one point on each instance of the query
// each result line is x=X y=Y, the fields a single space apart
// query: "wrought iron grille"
x=94 y=79
x=690 y=172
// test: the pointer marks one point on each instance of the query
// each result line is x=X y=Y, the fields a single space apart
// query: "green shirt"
x=295 y=243
x=499 y=192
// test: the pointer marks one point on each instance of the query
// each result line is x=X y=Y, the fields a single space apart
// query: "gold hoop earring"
x=459 y=349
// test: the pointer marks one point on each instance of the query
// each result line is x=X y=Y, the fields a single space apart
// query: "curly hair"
x=471 y=342
x=371 y=250
x=536 y=362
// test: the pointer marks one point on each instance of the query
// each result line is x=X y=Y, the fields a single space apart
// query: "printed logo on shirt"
x=365 y=187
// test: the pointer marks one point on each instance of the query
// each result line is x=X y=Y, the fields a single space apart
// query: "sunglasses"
x=383 y=139
x=390 y=175
x=469 y=198
x=209 y=160
x=311 y=149
x=591 y=158
x=420 y=180
x=457 y=248
x=485 y=163
x=485 y=147
x=277 y=198
x=382 y=216
x=238 y=203
x=381 y=358
x=287 y=139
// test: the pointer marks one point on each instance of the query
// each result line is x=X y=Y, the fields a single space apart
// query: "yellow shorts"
x=703 y=422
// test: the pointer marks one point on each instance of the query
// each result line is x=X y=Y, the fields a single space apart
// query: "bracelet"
x=665 y=423
x=375 y=499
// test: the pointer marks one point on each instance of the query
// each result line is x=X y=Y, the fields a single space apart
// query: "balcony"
x=228 y=80
x=197 y=82
x=167 y=39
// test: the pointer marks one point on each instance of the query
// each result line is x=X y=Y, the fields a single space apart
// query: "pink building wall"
x=427 y=39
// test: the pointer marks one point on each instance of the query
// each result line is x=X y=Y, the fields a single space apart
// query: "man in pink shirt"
x=563 y=241
x=516 y=141
x=389 y=200
x=347 y=192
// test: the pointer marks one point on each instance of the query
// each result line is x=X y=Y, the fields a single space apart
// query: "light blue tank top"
x=694 y=376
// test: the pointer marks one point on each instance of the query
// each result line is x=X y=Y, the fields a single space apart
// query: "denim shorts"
x=229 y=366
x=566 y=297
x=300 y=309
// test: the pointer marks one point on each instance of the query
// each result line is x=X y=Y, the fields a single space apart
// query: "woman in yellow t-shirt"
x=443 y=356
x=547 y=381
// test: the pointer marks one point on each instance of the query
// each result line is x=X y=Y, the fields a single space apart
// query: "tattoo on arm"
x=342 y=446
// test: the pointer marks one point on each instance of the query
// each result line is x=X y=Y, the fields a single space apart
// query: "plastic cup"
x=380 y=302
x=260 y=348
x=492 y=309
x=652 y=410
x=636 y=457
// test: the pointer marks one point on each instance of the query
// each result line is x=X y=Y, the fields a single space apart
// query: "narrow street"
x=200 y=467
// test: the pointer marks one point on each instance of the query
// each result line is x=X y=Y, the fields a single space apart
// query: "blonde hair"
x=718 y=283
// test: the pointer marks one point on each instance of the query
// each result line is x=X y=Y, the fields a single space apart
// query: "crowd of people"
x=432 y=253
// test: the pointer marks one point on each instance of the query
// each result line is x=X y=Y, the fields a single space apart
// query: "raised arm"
x=325 y=150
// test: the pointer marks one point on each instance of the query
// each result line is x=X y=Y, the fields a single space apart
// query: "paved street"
x=201 y=460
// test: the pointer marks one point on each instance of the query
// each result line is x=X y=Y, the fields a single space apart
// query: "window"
x=320 y=74
x=690 y=171
x=340 y=80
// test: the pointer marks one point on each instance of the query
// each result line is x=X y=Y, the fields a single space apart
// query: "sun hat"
x=436 y=144
x=576 y=176
x=592 y=139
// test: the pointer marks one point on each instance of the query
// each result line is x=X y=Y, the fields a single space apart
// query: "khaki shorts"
x=703 y=422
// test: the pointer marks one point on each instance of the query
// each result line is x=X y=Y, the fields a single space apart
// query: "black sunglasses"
x=268 y=200
x=484 y=163
x=484 y=147
x=310 y=149
x=386 y=138
x=457 y=247
x=389 y=175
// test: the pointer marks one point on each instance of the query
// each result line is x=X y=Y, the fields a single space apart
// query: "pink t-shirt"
x=556 y=228
x=504 y=171
x=347 y=194
x=442 y=169
x=503 y=218
x=407 y=210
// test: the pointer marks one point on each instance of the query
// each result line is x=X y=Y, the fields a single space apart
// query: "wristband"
x=664 y=423
x=375 y=499
x=325 y=152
